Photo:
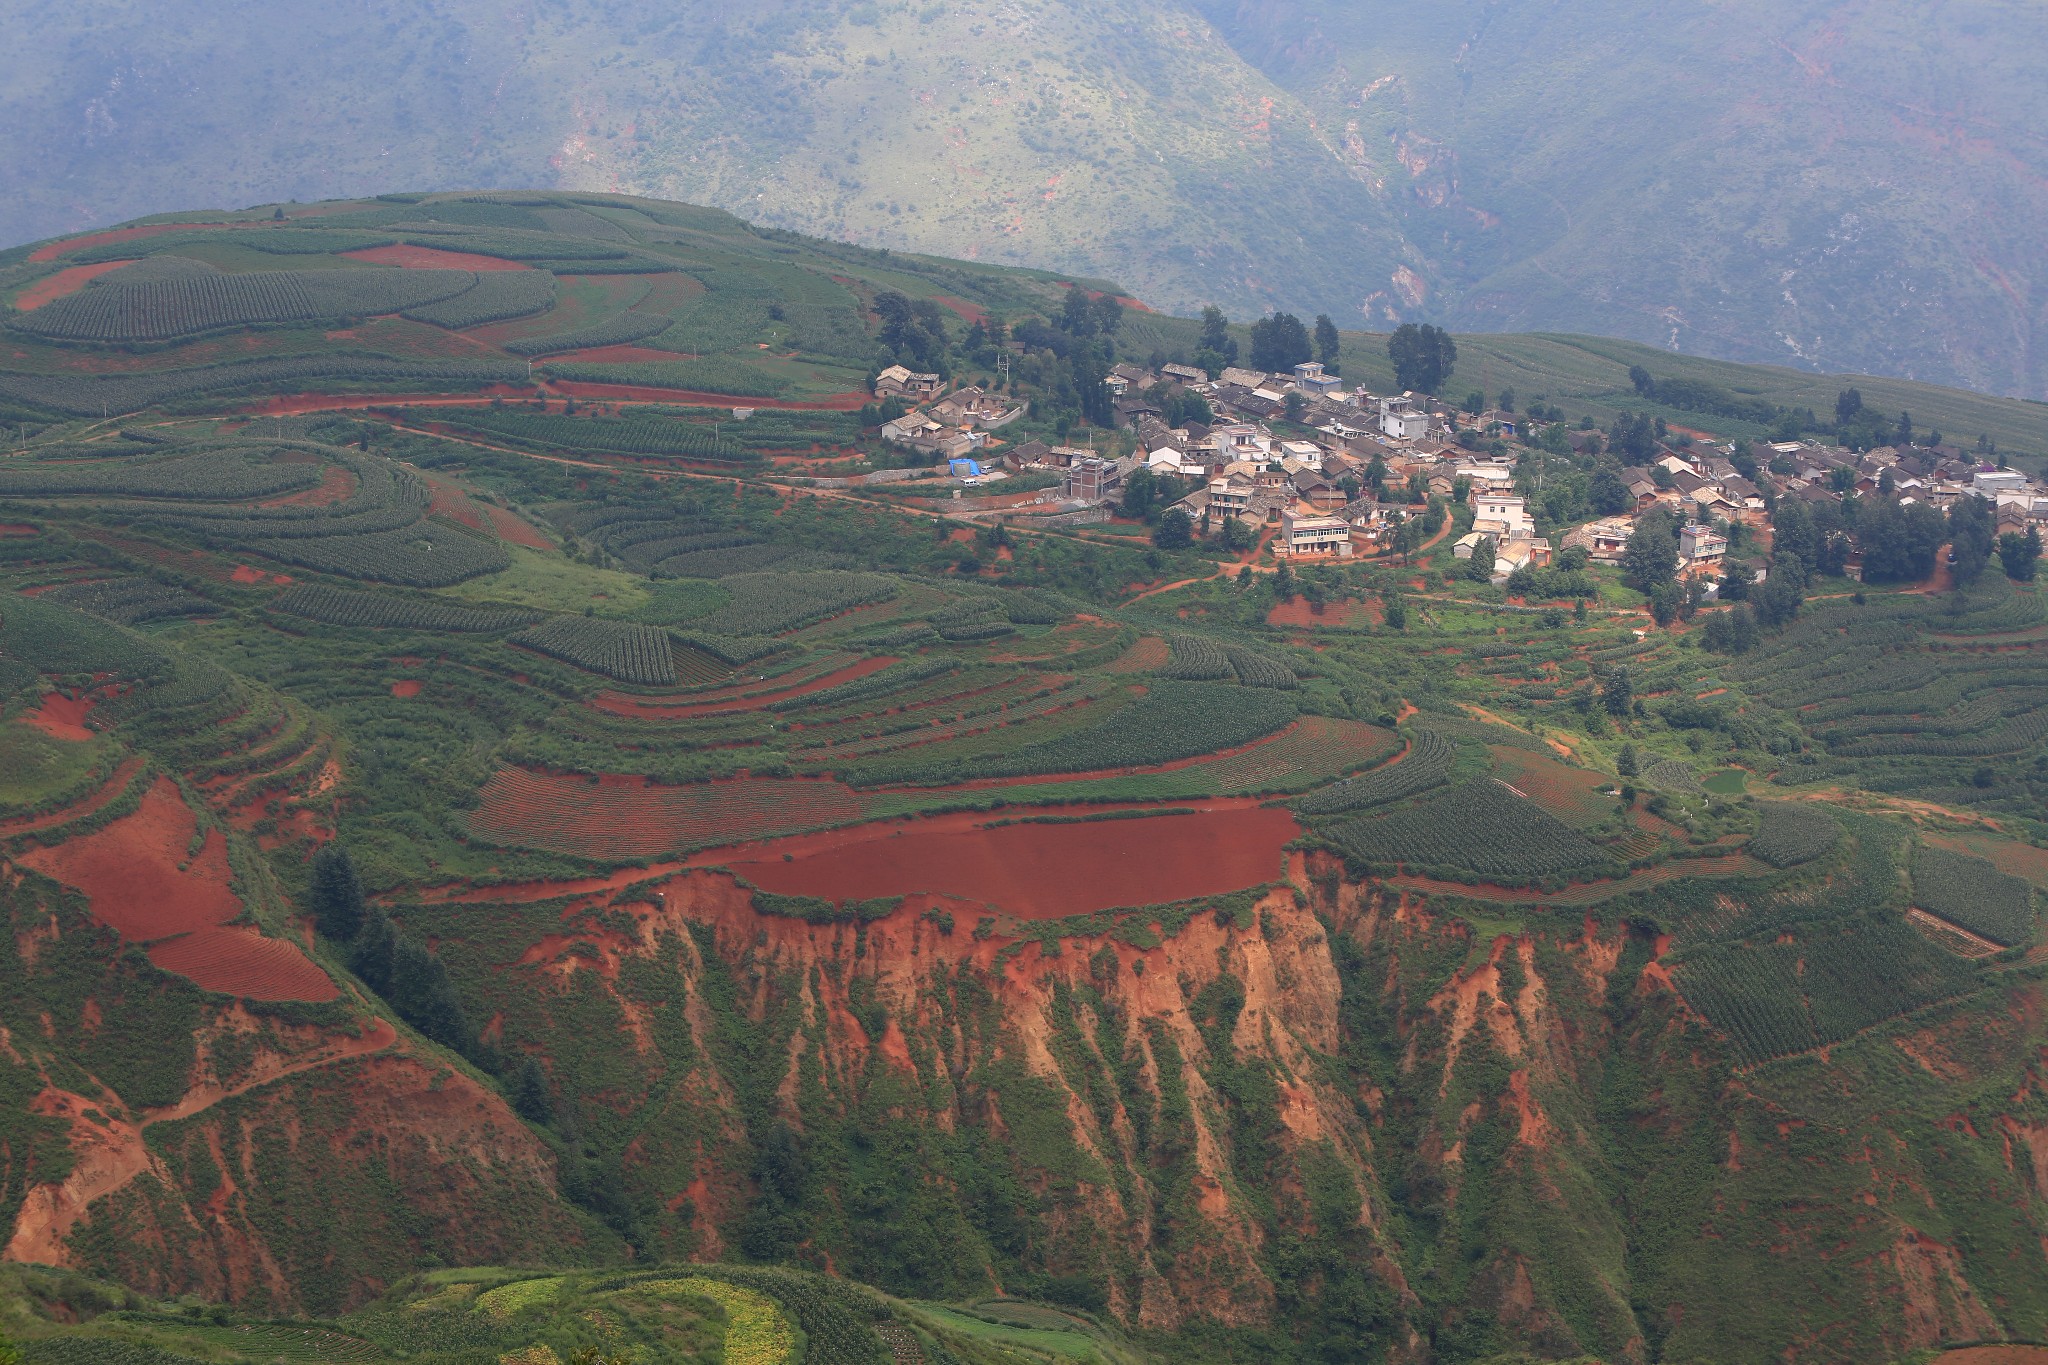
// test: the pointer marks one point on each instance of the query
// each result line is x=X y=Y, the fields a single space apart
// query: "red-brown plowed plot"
x=565 y=814
x=336 y=485
x=643 y=393
x=430 y=258
x=451 y=502
x=1995 y=1355
x=11 y=530
x=622 y=704
x=67 y=281
x=70 y=244
x=406 y=687
x=1571 y=794
x=61 y=717
x=131 y=876
x=243 y=962
x=1336 y=615
x=129 y=870
x=514 y=529
x=1042 y=870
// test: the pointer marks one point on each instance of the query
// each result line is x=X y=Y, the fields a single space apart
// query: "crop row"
x=613 y=331
x=507 y=246
x=92 y=395
x=1791 y=834
x=131 y=601
x=1427 y=765
x=346 y=607
x=893 y=679
x=1671 y=775
x=604 y=435
x=426 y=554
x=1778 y=997
x=218 y=474
x=162 y=310
x=1974 y=894
x=770 y=603
x=1174 y=720
x=1476 y=830
x=643 y=655
x=702 y=374
x=496 y=296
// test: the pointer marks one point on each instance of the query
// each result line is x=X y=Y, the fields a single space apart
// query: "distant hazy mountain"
x=1842 y=185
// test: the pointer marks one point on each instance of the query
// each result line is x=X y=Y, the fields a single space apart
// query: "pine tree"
x=530 y=1099
x=336 y=894
x=1626 y=763
x=374 y=948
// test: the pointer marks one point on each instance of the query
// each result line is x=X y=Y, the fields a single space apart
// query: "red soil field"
x=70 y=244
x=242 y=962
x=129 y=870
x=1995 y=1355
x=10 y=530
x=514 y=529
x=61 y=717
x=622 y=704
x=451 y=502
x=244 y=574
x=336 y=485
x=1042 y=871
x=406 y=687
x=969 y=313
x=131 y=876
x=567 y=814
x=1342 y=615
x=67 y=281
x=430 y=258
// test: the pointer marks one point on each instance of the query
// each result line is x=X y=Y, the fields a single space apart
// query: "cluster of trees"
x=398 y=968
x=1279 y=343
x=1423 y=355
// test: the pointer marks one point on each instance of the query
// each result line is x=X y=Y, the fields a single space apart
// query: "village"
x=1302 y=468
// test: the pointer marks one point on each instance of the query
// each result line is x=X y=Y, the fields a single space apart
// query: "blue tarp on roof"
x=964 y=469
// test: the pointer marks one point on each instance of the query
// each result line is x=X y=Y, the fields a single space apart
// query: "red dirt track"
x=298 y=404
x=67 y=281
x=139 y=882
x=431 y=258
x=1037 y=871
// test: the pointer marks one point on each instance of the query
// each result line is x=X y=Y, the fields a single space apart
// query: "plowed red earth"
x=1339 y=615
x=65 y=282
x=70 y=244
x=406 y=687
x=1039 y=870
x=431 y=258
x=61 y=717
x=130 y=872
x=243 y=962
x=336 y=484
x=1995 y=1355
x=516 y=530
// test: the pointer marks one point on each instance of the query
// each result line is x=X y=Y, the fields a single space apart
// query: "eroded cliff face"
x=1339 y=1114
x=1332 y=1112
x=293 y=1158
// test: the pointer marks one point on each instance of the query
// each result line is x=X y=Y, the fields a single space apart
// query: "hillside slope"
x=1820 y=184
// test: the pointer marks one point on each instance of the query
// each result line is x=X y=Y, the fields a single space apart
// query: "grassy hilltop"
x=454 y=818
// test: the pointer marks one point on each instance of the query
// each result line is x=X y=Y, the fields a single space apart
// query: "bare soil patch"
x=64 y=283
x=62 y=717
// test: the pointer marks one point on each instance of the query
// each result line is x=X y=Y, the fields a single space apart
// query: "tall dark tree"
x=913 y=331
x=1109 y=314
x=1328 y=343
x=1077 y=313
x=1479 y=568
x=1423 y=355
x=370 y=957
x=1606 y=492
x=1216 y=332
x=1618 y=693
x=1640 y=378
x=1176 y=530
x=1848 y=403
x=530 y=1095
x=336 y=894
x=425 y=998
x=1973 y=536
x=2019 y=555
x=1279 y=343
x=1899 y=542
x=1650 y=558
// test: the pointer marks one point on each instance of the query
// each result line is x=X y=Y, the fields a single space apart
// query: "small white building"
x=1402 y=419
x=1304 y=533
